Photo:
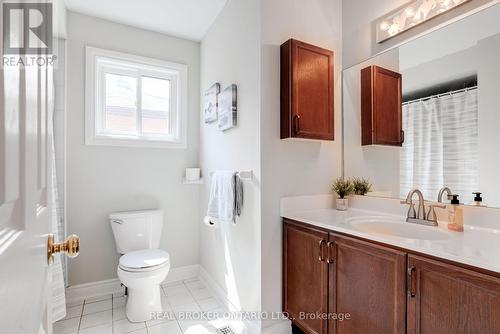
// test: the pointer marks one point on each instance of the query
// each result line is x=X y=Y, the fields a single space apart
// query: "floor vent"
x=225 y=330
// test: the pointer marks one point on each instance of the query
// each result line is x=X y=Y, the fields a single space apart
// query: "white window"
x=134 y=101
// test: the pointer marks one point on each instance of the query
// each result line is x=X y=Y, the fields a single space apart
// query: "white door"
x=26 y=102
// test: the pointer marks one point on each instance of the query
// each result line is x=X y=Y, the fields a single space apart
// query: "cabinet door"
x=307 y=109
x=381 y=107
x=368 y=282
x=305 y=277
x=443 y=298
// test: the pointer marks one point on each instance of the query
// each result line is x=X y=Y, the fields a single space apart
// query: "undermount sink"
x=397 y=228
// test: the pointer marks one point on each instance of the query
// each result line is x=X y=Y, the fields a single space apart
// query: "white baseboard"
x=182 y=273
x=92 y=289
x=110 y=286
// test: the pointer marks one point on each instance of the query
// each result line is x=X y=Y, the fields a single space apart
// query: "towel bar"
x=244 y=174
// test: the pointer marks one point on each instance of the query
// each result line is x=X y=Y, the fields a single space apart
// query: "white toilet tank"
x=135 y=230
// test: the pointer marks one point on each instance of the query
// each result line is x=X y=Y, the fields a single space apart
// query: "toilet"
x=143 y=266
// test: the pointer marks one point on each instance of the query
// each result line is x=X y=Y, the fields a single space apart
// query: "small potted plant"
x=343 y=188
x=361 y=186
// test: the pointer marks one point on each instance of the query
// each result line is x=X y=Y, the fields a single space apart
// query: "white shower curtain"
x=441 y=145
x=58 y=298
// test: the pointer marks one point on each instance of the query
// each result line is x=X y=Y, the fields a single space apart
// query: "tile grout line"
x=112 y=313
x=191 y=293
x=171 y=307
x=81 y=316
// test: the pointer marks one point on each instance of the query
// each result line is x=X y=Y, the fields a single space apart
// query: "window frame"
x=100 y=62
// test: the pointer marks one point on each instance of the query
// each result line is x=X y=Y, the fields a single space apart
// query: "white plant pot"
x=342 y=204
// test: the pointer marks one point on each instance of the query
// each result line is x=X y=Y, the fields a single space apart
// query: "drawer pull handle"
x=411 y=282
x=329 y=259
x=321 y=256
x=296 y=124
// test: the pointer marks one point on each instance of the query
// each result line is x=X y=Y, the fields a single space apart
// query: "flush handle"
x=70 y=246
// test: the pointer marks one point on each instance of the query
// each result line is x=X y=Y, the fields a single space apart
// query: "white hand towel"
x=222 y=196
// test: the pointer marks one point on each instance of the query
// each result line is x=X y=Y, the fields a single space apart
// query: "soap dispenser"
x=478 y=200
x=455 y=215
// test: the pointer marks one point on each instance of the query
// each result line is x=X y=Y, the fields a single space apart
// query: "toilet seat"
x=144 y=260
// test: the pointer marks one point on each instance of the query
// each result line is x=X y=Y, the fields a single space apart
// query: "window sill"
x=116 y=142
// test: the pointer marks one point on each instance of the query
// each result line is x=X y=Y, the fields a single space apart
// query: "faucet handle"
x=431 y=215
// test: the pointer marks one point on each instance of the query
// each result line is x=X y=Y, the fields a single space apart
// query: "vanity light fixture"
x=411 y=15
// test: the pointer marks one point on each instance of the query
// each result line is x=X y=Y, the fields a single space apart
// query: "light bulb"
x=393 y=29
x=384 y=26
x=410 y=11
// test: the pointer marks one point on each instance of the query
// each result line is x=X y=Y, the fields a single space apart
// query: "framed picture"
x=210 y=103
x=228 y=108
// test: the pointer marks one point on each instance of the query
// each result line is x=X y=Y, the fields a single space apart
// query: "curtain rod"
x=440 y=95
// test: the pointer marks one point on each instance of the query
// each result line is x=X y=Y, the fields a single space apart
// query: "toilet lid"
x=144 y=259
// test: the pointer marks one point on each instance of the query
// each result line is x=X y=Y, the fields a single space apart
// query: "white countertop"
x=476 y=246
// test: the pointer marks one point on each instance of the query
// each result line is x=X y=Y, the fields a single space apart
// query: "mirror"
x=449 y=110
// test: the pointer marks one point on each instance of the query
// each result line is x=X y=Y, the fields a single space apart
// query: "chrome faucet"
x=449 y=194
x=420 y=216
x=421 y=206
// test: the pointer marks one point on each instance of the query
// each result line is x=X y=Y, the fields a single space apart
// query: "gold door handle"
x=70 y=246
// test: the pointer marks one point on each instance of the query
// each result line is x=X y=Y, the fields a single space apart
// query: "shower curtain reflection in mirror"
x=441 y=144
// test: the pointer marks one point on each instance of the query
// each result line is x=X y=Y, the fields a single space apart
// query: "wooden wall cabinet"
x=384 y=289
x=307 y=92
x=381 y=107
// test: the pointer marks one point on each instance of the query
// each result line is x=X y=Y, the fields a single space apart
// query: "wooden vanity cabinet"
x=383 y=288
x=367 y=281
x=381 y=107
x=305 y=276
x=444 y=298
x=307 y=109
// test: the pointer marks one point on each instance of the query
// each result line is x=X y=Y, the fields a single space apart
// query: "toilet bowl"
x=142 y=266
x=142 y=273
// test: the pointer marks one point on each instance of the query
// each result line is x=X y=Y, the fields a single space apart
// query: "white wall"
x=105 y=179
x=230 y=54
x=293 y=167
x=452 y=67
x=358 y=32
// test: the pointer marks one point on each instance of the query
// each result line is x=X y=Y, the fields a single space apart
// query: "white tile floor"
x=106 y=314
